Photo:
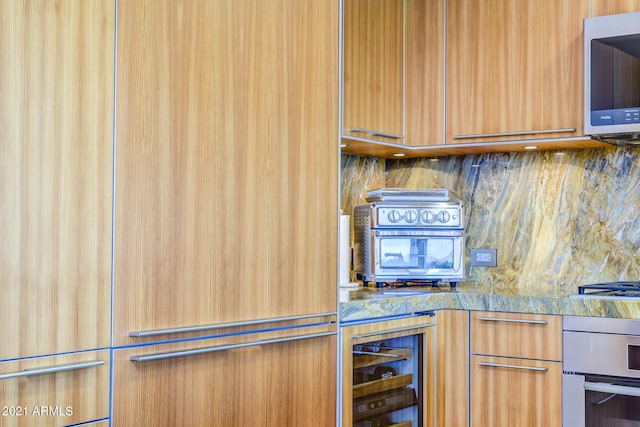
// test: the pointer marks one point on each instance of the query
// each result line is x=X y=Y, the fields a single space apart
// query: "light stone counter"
x=362 y=304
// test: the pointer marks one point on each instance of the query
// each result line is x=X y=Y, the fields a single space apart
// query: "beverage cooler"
x=387 y=377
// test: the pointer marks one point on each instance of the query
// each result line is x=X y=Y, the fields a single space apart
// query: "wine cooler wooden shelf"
x=385 y=356
x=378 y=386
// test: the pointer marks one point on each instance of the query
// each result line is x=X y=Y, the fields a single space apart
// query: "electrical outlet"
x=484 y=257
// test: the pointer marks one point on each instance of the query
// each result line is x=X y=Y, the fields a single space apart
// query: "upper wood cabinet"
x=227 y=157
x=514 y=69
x=513 y=74
x=56 y=144
x=373 y=69
x=612 y=7
x=393 y=70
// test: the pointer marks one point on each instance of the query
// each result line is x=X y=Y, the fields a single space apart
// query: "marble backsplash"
x=556 y=218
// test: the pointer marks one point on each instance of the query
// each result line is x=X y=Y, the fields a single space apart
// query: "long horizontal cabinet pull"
x=390 y=331
x=200 y=328
x=206 y=350
x=524 y=368
x=502 y=319
x=52 y=369
x=377 y=133
x=516 y=133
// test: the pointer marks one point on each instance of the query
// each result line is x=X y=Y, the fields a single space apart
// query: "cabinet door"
x=373 y=68
x=56 y=390
x=56 y=144
x=515 y=392
x=612 y=7
x=452 y=378
x=424 y=72
x=514 y=67
x=226 y=193
x=287 y=384
x=302 y=208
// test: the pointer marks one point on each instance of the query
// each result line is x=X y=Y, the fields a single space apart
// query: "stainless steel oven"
x=601 y=372
x=403 y=235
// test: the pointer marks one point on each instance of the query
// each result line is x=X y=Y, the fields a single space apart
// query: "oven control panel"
x=419 y=217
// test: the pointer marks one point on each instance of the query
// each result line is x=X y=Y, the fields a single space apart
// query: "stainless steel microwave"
x=612 y=78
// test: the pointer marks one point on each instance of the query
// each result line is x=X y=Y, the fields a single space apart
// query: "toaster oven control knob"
x=411 y=216
x=427 y=217
x=394 y=216
x=444 y=216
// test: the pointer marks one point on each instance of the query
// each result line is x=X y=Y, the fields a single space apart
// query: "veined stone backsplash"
x=560 y=219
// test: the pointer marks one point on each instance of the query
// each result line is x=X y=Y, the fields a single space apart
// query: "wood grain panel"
x=514 y=66
x=302 y=209
x=612 y=7
x=515 y=397
x=424 y=72
x=226 y=196
x=192 y=135
x=373 y=65
x=288 y=384
x=55 y=399
x=452 y=375
x=56 y=139
x=513 y=335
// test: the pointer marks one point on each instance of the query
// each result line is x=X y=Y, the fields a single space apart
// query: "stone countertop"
x=360 y=304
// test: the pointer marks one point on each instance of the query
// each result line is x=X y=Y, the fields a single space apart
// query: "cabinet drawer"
x=56 y=390
x=531 y=336
x=515 y=392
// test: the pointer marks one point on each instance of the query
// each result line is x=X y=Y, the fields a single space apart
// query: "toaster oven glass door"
x=419 y=254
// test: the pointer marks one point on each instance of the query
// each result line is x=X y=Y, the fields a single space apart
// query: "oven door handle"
x=611 y=388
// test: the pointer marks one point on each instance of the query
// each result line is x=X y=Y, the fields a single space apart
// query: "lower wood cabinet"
x=55 y=391
x=516 y=370
x=515 y=392
x=290 y=383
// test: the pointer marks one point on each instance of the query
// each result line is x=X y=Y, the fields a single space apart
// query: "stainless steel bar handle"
x=516 y=133
x=501 y=319
x=206 y=350
x=377 y=133
x=52 y=369
x=391 y=331
x=611 y=388
x=223 y=325
x=524 y=368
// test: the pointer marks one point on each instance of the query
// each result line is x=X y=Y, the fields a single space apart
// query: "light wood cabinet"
x=56 y=143
x=280 y=384
x=515 y=392
x=514 y=69
x=394 y=71
x=226 y=208
x=55 y=390
x=226 y=190
x=452 y=374
x=612 y=7
x=373 y=69
x=516 y=369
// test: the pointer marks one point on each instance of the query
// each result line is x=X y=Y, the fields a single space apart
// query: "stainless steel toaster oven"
x=403 y=236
